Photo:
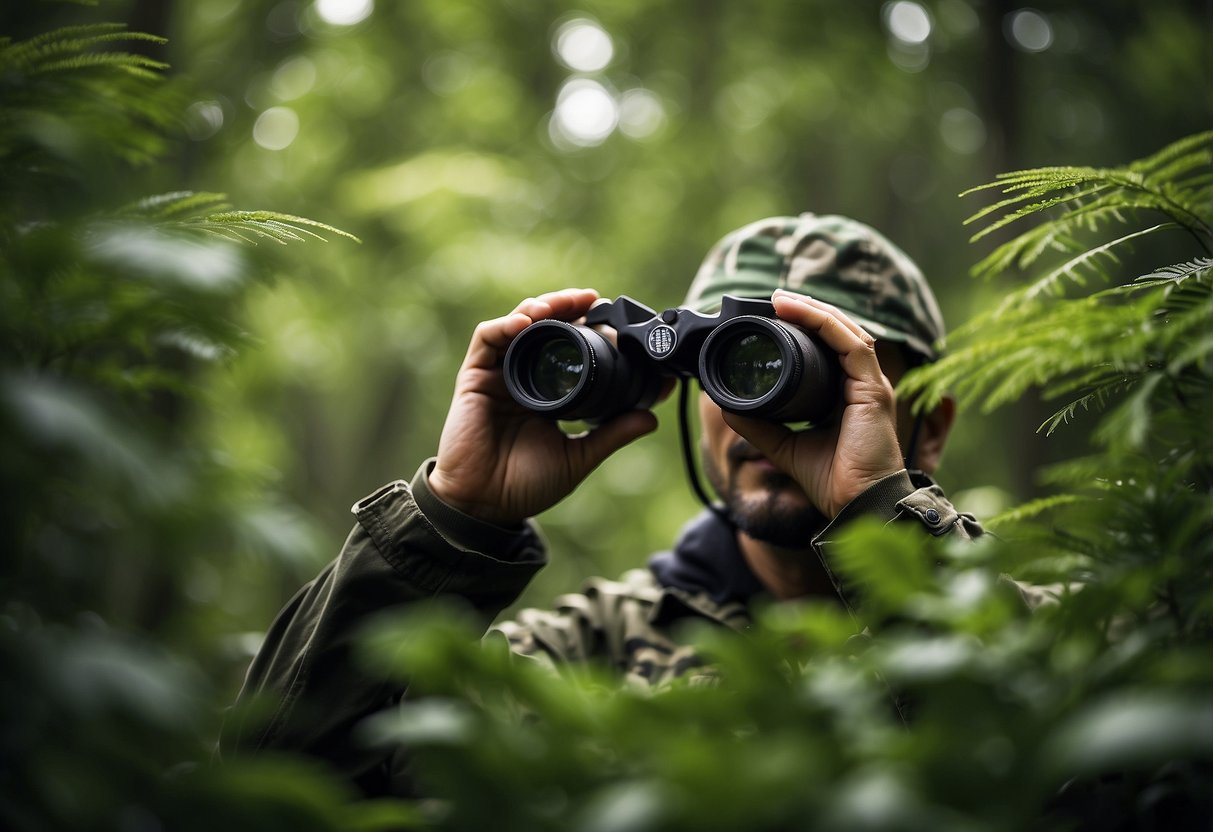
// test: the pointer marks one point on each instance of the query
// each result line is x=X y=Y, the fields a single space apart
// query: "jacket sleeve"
x=407 y=546
x=909 y=497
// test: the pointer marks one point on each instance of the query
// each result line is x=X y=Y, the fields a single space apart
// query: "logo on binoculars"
x=661 y=341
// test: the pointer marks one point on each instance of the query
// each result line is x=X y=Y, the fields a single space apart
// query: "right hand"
x=498 y=461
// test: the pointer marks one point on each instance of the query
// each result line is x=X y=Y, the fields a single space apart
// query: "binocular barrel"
x=567 y=371
x=770 y=369
x=747 y=360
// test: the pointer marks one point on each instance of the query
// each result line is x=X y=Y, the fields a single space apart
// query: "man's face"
x=763 y=501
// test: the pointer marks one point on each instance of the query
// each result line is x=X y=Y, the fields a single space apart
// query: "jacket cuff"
x=441 y=550
x=881 y=501
x=463 y=530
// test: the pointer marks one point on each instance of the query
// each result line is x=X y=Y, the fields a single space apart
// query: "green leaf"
x=1131 y=731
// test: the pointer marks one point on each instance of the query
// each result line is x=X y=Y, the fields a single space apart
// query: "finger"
x=770 y=438
x=491 y=338
x=856 y=351
x=598 y=444
x=565 y=304
x=668 y=383
x=843 y=318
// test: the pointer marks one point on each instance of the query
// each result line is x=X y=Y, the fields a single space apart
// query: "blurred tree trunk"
x=1001 y=103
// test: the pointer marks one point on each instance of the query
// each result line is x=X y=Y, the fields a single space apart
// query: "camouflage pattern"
x=408 y=548
x=626 y=625
x=833 y=259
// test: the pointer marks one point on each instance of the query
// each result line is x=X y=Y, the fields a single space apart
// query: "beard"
x=766 y=516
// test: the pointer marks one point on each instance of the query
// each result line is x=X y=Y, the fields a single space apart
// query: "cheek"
x=712 y=424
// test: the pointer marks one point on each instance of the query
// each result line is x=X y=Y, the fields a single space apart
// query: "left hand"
x=835 y=464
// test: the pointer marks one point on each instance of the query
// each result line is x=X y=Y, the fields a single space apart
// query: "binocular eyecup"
x=746 y=359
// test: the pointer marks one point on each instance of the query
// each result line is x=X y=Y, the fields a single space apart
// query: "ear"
x=933 y=434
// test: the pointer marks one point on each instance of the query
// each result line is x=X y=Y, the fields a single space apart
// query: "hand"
x=500 y=462
x=833 y=465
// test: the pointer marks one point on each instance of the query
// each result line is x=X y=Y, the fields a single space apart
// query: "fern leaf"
x=1174 y=151
x=1073 y=268
x=1058 y=174
x=44 y=52
x=176 y=204
x=1198 y=352
x=1170 y=177
x=1036 y=208
x=1199 y=268
x=139 y=65
x=1097 y=398
x=297 y=230
x=1033 y=509
x=1129 y=424
x=251 y=218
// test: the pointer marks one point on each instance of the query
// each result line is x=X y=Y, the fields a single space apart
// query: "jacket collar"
x=706 y=571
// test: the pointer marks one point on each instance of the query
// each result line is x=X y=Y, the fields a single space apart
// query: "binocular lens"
x=568 y=371
x=770 y=369
x=750 y=365
x=558 y=367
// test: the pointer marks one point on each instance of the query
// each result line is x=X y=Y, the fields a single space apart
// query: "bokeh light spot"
x=344 y=12
x=640 y=114
x=294 y=78
x=276 y=128
x=1029 y=30
x=907 y=21
x=586 y=112
x=962 y=130
x=203 y=119
x=584 y=46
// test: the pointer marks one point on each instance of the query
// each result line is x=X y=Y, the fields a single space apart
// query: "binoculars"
x=746 y=359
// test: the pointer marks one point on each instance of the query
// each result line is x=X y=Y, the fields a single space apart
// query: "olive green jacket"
x=408 y=546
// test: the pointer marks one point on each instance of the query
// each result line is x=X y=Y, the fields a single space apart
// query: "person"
x=463 y=526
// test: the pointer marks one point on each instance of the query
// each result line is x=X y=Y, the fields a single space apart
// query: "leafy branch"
x=1099 y=344
x=213 y=214
x=71 y=48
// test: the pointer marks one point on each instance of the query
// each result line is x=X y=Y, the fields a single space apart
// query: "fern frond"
x=1129 y=424
x=44 y=52
x=1064 y=343
x=1097 y=398
x=176 y=204
x=1058 y=175
x=1033 y=509
x=1025 y=249
x=1199 y=269
x=1171 y=176
x=1072 y=269
x=271 y=222
x=1034 y=208
x=139 y=65
x=1173 y=152
x=1198 y=352
x=21 y=50
x=1091 y=196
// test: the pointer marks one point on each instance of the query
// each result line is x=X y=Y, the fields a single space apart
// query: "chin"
x=781 y=517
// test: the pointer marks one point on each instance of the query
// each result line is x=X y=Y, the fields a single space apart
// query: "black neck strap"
x=688 y=453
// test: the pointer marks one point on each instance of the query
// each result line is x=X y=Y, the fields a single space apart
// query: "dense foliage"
x=962 y=712
x=145 y=531
x=111 y=517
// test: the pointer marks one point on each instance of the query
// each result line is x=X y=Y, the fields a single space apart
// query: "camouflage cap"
x=834 y=259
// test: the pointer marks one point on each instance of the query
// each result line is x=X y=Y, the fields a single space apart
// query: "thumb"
x=610 y=436
x=770 y=438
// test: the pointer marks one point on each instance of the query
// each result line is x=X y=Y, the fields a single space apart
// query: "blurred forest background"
x=487 y=151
